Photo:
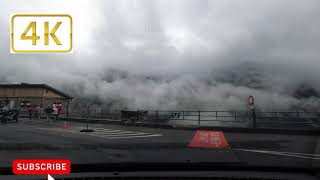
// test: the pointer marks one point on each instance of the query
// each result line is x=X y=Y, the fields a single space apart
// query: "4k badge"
x=33 y=33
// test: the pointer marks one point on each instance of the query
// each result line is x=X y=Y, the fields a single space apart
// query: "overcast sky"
x=183 y=54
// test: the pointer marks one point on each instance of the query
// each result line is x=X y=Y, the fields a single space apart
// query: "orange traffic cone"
x=65 y=124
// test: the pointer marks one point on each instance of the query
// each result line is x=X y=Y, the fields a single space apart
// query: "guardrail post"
x=147 y=116
x=88 y=117
x=157 y=115
x=68 y=109
x=137 y=115
x=82 y=114
x=216 y=115
x=199 y=118
x=88 y=113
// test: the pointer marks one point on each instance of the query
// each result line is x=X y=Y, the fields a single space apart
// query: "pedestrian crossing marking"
x=106 y=133
x=125 y=137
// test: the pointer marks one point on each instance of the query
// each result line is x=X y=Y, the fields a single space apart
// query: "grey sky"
x=176 y=54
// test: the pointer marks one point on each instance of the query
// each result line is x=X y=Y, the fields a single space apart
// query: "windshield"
x=100 y=83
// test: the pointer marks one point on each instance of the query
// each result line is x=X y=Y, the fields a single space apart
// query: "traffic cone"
x=65 y=124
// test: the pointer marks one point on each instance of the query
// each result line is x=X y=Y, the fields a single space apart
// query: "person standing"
x=30 y=111
x=55 y=112
x=37 y=111
x=48 y=110
x=59 y=107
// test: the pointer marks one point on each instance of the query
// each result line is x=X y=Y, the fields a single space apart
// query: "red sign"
x=209 y=139
x=41 y=166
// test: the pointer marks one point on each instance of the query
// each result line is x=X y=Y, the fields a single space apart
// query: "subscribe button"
x=41 y=166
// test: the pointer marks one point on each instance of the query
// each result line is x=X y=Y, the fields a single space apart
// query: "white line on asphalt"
x=123 y=137
x=289 y=154
x=99 y=129
x=114 y=131
x=106 y=130
x=110 y=134
x=114 y=135
x=283 y=152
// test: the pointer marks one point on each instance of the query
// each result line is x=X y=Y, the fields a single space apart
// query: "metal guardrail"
x=305 y=120
x=280 y=119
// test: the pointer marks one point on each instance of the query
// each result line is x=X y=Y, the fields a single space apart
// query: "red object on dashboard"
x=209 y=139
x=41 y=166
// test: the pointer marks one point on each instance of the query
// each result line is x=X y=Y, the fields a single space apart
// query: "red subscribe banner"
x=41 y=166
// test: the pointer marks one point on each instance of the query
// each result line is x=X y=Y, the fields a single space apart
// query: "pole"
x=198 y=118
x=216 y=115
x=87 y=128
x=137 y=115
x=82 y=114
x=101 y=113
x=88 y=118
x=251 y=106
x=68 y=108
x=254 y=123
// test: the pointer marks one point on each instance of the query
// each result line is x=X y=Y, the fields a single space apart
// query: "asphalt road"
x=118 y=143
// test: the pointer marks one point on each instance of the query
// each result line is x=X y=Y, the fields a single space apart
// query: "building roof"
x=25 y=85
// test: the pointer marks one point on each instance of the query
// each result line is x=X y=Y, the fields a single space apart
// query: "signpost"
x=251 y=106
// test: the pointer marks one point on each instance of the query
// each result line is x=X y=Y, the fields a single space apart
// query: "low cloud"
x=207 y=55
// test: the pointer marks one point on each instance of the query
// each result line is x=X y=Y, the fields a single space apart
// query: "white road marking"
x=118 y=133
x=289 y=154
x=106 y=133
x=142 y=136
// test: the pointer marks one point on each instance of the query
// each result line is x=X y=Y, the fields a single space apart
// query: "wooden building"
x=22 y=95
